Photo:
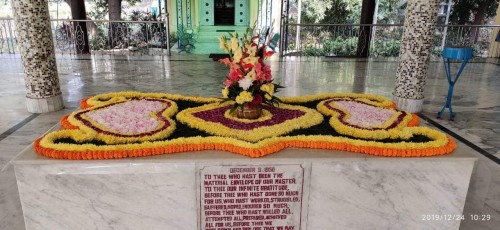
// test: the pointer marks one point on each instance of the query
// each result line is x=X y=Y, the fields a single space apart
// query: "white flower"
x=245 y=83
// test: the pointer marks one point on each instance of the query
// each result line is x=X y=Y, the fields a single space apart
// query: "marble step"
x=206 y=48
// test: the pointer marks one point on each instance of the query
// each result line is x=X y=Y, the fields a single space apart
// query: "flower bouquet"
x=249 y=82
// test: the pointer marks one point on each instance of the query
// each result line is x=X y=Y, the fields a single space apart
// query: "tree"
x=78 y=12
x=112 y=8
x=313 y=11
x=390 y=11
x=364 y=38
x=475 y=12
x=115 y=9
x=330 y=11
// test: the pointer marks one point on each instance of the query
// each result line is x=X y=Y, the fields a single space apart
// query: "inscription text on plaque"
x=251 y=197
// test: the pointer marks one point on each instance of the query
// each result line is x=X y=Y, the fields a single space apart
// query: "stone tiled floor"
x=476 y=101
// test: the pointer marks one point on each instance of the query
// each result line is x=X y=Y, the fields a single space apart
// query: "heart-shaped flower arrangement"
x=128 y=121
x=134 y=124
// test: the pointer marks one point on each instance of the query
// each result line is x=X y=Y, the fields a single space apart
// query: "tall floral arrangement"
x=249 y=82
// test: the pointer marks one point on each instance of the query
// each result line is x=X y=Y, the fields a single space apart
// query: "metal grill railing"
x=7 y=36
x=112 y=37
x=342 y=39
x=104 y=37
x=478 y=37
x=153 y=38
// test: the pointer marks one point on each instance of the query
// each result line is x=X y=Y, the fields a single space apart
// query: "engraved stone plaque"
x=251 y=197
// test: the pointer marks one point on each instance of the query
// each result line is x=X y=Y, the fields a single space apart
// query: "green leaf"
x=268 y=103
x=233 y=108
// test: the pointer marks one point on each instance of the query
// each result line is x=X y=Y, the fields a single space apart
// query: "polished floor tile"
x=476 y=101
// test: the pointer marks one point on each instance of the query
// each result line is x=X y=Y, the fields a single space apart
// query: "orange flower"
x=47 y=145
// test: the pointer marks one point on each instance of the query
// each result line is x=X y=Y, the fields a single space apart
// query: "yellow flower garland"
x=50 y=146
x=368 y=98
x=440 y=145
x=310 y=118
x=104 y=99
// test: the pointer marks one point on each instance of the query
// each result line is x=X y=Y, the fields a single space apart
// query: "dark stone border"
x=18 y=126
x=460 y=138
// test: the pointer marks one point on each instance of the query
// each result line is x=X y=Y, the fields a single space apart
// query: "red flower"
x=267 y=72
x=246 y=66
x=263 y=72
x=226 y=61
x=257 y=100
x=235 y=74
x=228 y=82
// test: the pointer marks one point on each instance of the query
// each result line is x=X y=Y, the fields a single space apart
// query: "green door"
x=207 y=13
x=241 y=9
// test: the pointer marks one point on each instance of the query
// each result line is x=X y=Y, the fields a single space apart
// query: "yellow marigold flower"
x=264 y=88
x=239 y=100
x=244 y=96
x=268 y=97
x=225 y=92
x=237 y=55
x=269 y=88
x=247 y=96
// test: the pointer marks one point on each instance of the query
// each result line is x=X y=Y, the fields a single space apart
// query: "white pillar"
x=414 y=54
x=34 y=34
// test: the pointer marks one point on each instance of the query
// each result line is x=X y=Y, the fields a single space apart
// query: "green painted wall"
x=206 y=36
x=196 y=11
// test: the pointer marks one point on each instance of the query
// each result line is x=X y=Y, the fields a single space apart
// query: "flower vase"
x=247 y=112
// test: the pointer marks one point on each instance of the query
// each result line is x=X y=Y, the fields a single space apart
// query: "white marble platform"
x=341 y=189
